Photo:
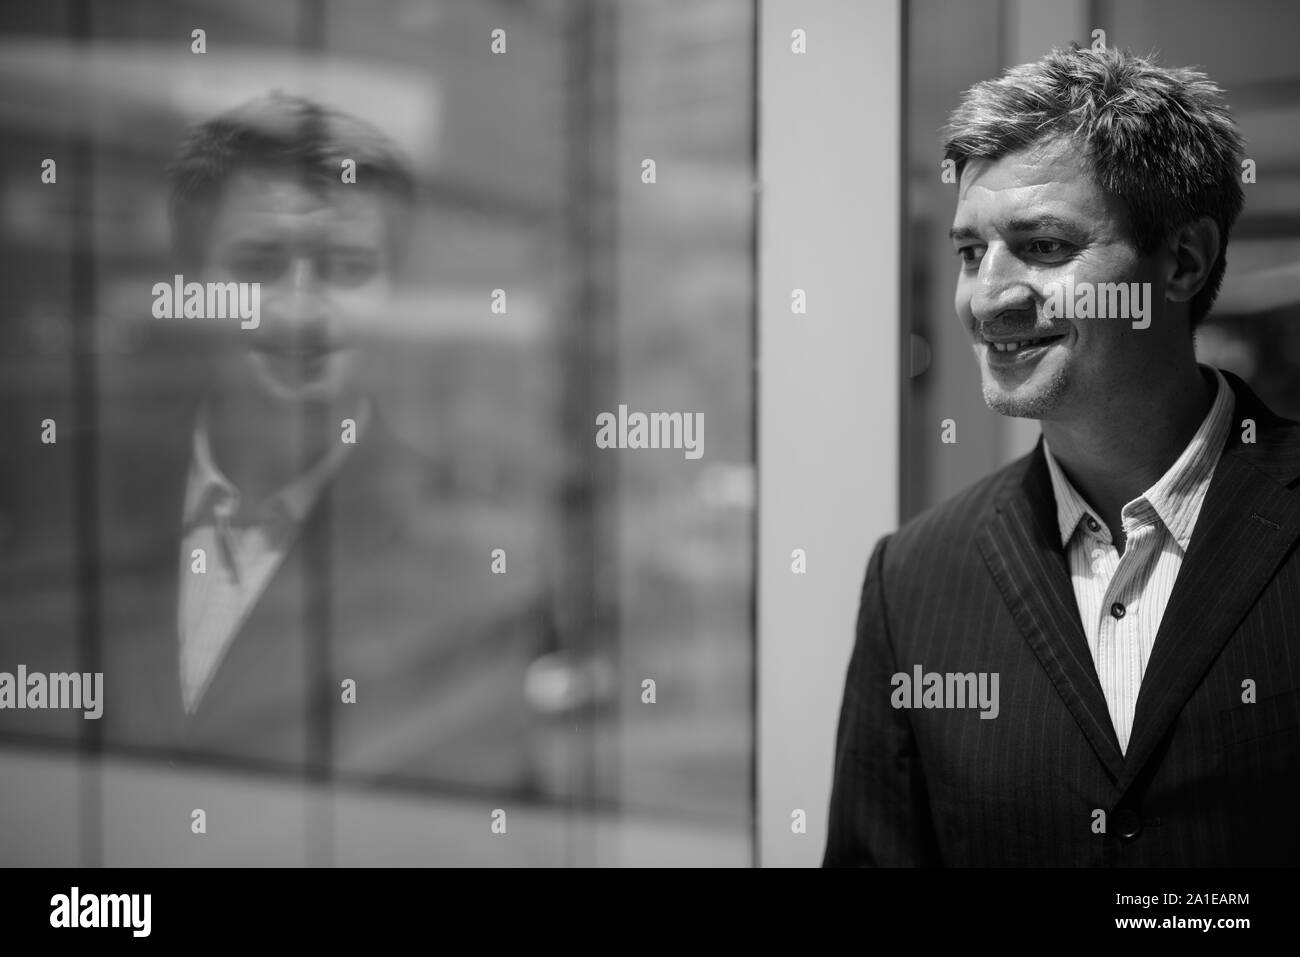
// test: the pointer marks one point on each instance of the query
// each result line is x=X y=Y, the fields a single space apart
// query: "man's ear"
x=1194 y=252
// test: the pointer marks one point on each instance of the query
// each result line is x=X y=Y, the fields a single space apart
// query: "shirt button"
x=1117 y=610
x=1092 y=524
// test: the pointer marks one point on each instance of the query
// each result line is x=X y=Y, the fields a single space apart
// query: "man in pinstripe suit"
x=1131 y=588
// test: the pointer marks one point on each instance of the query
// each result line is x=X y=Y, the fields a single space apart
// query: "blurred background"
x=621 y=567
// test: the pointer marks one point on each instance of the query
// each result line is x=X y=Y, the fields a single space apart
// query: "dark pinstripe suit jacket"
x=980 y=584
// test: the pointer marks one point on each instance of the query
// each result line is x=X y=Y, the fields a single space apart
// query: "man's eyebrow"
x=346 y=246
x=1032 y=224
x=256 y=242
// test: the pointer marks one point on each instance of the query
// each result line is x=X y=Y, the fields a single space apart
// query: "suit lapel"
x=1248 y=523
x=140 y=569
x=1022 y=547
x=347 y=524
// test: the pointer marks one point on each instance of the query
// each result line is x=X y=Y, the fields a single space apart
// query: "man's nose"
x=1001 y=285
x=300 y=301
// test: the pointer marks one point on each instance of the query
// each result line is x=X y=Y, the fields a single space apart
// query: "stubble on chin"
x=1036 y=399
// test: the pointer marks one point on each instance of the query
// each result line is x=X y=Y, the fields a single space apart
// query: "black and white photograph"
x=619 y=434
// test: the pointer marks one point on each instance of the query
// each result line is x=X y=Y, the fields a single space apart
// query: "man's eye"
x=969 y=254
x=260 y=266
x=347 y=269
x=1047 y=247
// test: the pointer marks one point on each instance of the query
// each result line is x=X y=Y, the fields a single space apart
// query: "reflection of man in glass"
x=248 y=210
x=322 y=249
x=314 y=619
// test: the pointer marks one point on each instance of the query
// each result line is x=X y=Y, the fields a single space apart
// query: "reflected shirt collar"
x=208 y=485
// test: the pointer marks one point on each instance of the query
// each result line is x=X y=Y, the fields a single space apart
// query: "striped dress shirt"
x=1122 y=598
x=241 y=558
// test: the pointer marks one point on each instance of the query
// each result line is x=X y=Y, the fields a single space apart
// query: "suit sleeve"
x=879 y=811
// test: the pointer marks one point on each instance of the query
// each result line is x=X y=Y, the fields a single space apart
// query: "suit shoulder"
x=950 y=526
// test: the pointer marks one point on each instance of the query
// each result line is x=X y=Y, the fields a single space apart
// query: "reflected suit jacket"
x=384 y=585
x=981 y=584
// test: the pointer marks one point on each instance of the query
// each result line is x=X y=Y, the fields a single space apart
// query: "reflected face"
x=325 y=282
x=1029 y=220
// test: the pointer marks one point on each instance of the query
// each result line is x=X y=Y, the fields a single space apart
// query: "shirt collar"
x=1071 y=509
x=1176 y=497
x=207 y=483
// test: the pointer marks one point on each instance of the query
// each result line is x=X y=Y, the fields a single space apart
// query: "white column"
x=828 y=389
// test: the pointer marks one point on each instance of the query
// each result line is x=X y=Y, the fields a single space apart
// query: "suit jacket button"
x=1126 y=822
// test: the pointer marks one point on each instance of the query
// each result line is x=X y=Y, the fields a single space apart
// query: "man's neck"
x=262 y=447
x=1112 y=459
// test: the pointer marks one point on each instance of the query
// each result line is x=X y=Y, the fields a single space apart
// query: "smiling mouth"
x=289 y=350
x=296 y=356
x=297 y=366
x=1020 y=345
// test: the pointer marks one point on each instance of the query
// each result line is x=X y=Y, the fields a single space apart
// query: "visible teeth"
x=1014 y=346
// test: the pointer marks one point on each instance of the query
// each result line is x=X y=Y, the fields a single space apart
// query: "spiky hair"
x=1160 y=139
x=280 y=131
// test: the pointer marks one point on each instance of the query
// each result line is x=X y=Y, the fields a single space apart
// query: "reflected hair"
x=1160 y=139
x=281 y=132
